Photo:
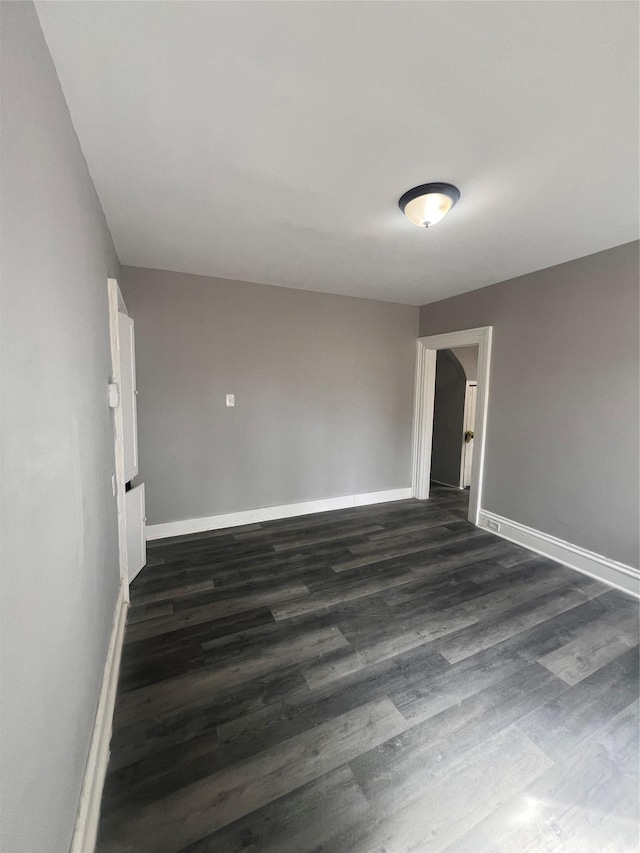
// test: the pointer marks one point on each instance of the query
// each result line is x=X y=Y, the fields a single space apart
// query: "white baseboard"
x=367 y=498
x=86 y=828
x=271 y=513
x=608 y=571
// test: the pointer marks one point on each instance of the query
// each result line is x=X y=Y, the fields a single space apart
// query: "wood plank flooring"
x=383 y=678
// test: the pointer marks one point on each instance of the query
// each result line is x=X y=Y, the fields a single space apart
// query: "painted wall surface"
x=468 y=358
x=323 y=393
x=448 y=417
x=59 y=549
x=562 y=433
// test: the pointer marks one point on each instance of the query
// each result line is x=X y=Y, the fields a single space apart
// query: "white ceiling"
x=271 y=141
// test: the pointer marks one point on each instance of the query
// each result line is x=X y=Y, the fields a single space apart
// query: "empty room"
x=320 y=426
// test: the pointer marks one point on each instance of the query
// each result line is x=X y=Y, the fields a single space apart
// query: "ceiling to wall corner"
x=270 y=141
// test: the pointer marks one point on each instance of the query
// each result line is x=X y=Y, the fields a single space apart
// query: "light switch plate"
x=231 y=399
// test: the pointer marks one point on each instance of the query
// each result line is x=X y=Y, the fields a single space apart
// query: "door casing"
x=425 y=384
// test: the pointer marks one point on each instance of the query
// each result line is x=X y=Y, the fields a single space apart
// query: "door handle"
x=468 y=436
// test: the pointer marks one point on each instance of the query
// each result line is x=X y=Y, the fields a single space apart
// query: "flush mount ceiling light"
x=429 y=203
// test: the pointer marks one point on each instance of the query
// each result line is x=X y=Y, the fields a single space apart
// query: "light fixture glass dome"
x=429 y=203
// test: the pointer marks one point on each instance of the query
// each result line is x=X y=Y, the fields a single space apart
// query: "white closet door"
x=136 y=542
x=128 y=396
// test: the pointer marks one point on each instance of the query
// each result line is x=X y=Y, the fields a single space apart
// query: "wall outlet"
x=231 y=399
x=493 y=525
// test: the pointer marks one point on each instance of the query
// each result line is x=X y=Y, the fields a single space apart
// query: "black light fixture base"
x=425 y=189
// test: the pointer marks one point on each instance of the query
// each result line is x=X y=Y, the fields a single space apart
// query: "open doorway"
x=441 y=447
x=454 y=416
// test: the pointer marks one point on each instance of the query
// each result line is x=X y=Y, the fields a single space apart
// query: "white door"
x=128 y=396
x=136 y=542
x=468 y=434
x=134 y=498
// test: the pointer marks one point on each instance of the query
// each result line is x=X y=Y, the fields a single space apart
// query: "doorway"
x=425 y=392
x=453 y=416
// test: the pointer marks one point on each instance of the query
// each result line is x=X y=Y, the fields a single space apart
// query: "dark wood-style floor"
x=384 y=678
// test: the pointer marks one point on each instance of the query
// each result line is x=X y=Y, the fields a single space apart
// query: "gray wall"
x=468 y=358
x=323 y=385
x=448 y=417
x=562 y=435
x=59 y=535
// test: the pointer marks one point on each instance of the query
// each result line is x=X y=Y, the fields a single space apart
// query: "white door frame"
x=423 y=409
x=115 y=301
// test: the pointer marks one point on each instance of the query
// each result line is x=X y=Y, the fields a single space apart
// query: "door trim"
x=128 y=395
x=425 y=385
